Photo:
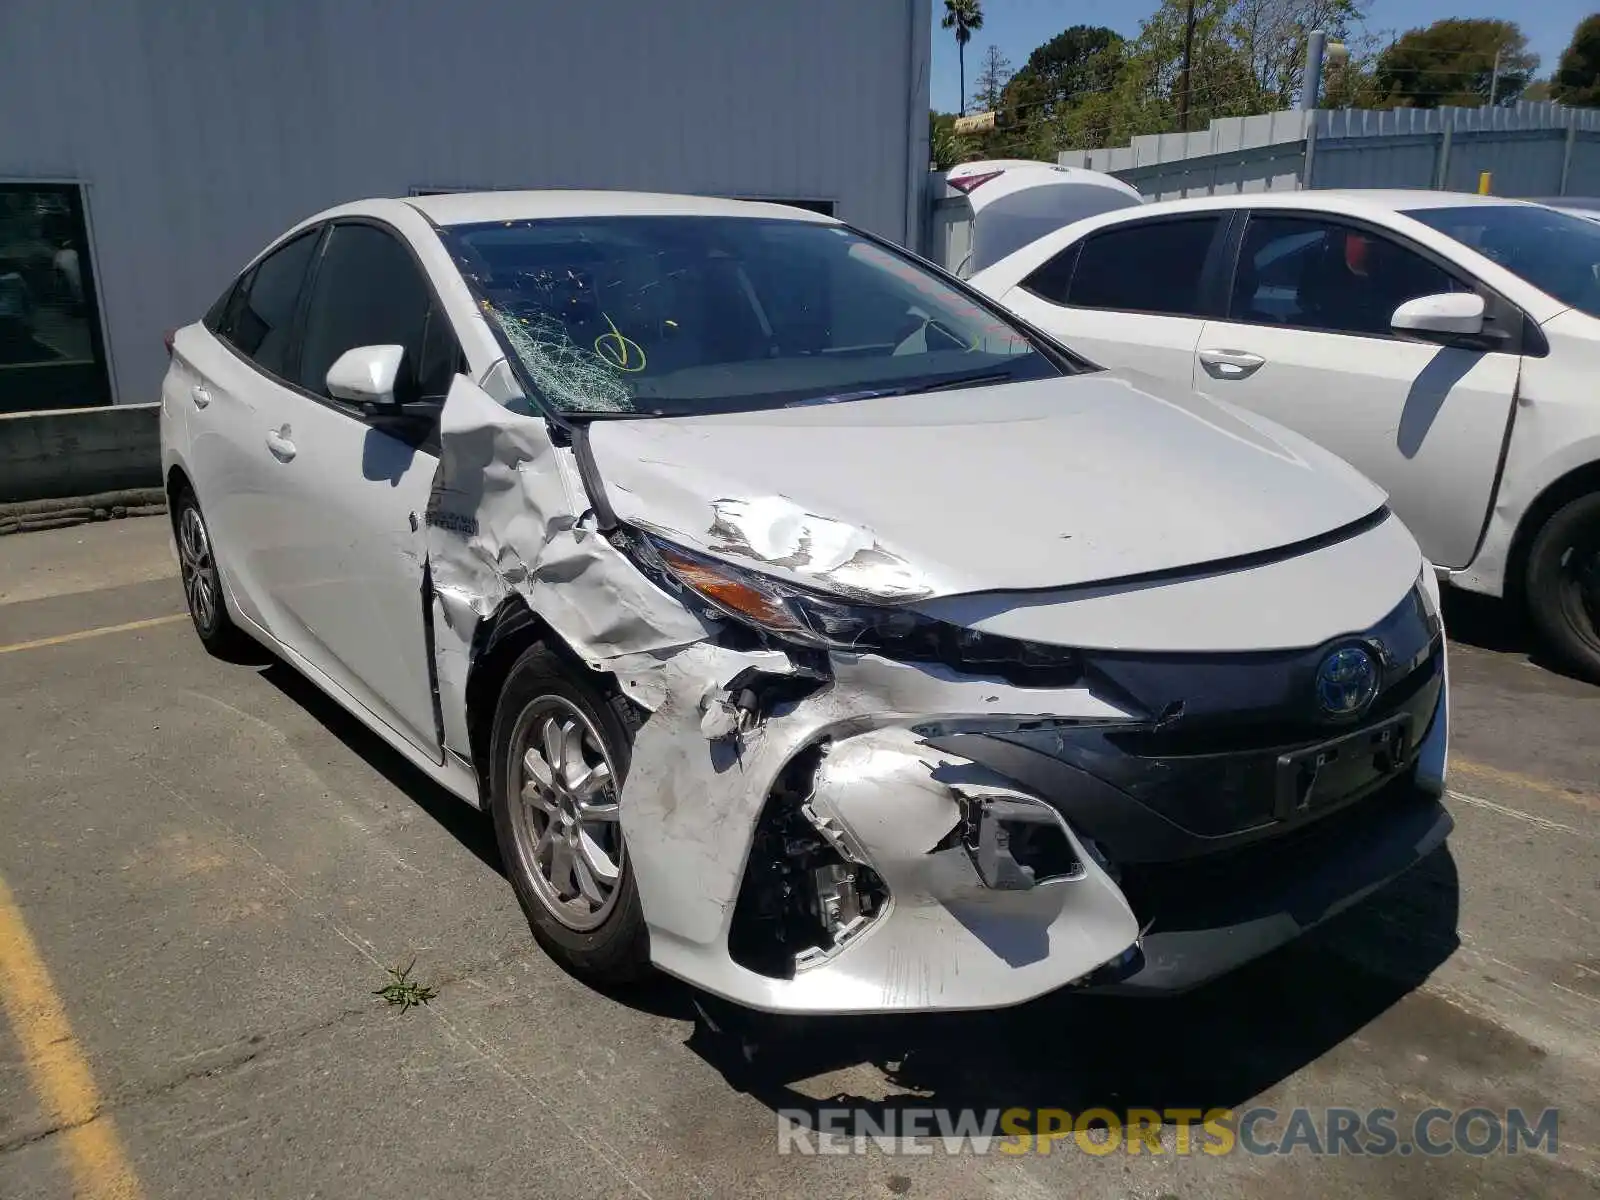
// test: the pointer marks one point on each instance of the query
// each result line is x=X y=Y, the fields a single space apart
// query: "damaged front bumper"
x=943 y=852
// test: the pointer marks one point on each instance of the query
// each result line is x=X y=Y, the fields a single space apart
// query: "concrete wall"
x=79 y=451
x=200 y=130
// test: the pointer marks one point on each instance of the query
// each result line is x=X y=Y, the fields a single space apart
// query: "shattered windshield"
x=670 y=316
x=1556 y=252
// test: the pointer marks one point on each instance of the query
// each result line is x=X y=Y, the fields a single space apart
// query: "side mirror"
x=366 y=375
x=1446 y=315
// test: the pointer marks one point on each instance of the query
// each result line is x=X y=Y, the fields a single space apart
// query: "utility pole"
x=1316 y=46
x=1188 y=64
x=1494 y=80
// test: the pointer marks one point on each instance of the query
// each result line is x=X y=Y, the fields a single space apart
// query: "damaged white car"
x=812 y=629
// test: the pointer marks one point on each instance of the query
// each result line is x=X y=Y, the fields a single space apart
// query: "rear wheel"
x=202 y=580
x=560 y=753
x=1563 y=585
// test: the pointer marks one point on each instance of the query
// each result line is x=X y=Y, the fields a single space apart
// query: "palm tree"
x=965 y=17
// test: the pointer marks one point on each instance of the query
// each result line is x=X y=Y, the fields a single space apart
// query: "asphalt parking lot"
x=207 y=869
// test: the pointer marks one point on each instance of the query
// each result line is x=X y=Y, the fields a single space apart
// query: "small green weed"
x=404 y=991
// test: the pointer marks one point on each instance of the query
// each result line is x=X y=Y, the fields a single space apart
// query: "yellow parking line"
x=1515 y=779
x=56 y=1065
x=62 y=639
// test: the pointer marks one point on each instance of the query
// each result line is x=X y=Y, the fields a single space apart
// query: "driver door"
x=1307 y=343
x=349 y=492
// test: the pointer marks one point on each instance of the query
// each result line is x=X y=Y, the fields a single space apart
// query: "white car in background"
x=1587 y=207
x=1446 y=345
x=810 y=628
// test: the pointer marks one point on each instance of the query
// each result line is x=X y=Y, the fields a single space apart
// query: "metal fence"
x=1530 y=149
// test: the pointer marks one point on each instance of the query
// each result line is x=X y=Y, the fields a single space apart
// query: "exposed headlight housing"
x=805 y=617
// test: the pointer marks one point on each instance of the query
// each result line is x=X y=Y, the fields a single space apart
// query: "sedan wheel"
x=568 y=836
x=1563 y=585
x=201 y=586
x=560 y=750
x=202 y=581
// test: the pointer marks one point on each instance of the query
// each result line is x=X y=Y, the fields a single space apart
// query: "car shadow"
x=466 y=824
x=1488 y=623
x=1214 y=1047
x=1498 y=625
x=1217 y=1046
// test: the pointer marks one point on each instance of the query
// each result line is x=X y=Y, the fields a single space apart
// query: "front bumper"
x=1178 y=858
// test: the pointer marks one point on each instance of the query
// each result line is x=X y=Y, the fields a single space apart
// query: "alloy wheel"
x=198 y=569
x=564 y=813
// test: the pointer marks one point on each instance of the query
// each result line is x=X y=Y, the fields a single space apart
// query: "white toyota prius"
x=812 y=630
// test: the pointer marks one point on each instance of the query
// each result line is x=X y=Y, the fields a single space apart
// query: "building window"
x=51 y=354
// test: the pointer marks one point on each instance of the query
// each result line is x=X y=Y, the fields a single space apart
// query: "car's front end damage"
x=1104 y=770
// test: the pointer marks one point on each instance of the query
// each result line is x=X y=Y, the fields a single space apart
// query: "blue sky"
x=1017 y=26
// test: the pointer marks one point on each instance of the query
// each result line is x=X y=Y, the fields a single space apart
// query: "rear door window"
x=258 y=317
x=1145 y=266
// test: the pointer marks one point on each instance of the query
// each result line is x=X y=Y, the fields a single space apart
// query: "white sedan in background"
x=1446 y=345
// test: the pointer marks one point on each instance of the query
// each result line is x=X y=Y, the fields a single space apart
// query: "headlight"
x=788 y=613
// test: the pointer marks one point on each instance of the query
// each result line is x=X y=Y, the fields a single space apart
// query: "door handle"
x=200 y=396
x=1230 y=364
x=278 y=442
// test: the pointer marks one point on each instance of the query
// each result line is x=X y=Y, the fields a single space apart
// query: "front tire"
x=559 y=755
x=202 y=580
x=1563 y=585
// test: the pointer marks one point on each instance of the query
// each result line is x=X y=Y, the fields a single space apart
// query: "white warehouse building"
x=148 y=148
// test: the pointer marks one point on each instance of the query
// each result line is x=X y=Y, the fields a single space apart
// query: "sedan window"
x=259 y=315
x=684 y=315
x=1145 y=266
x=1314 y=274
x=369 y=291
x=1556 y=252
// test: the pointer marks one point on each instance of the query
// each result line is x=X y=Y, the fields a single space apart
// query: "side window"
x=1150 y=267
x=369 y=291
x=1051 y=281
x=1317 y=274
x=258 y=318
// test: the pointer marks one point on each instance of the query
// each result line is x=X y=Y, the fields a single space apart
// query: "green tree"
x=946 y=147
x=1044 y=106
x=966 y=18
x=1577 y=78
x=990 y=84
x=1453 y=62
x=1271 y=35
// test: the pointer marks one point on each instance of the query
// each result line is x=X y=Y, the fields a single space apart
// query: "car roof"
x=1353 y=200
x=470 y=208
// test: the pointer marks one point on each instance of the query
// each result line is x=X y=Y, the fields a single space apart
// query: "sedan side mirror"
x=366 y=375
x=1441 y=317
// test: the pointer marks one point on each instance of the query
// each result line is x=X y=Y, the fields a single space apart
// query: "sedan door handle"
x=278 y=442
x=1230 y=364
x=200 y=396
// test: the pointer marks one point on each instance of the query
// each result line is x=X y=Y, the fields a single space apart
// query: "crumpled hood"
x=1018 y=486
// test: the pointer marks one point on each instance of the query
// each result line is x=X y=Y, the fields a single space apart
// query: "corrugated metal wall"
x=1528 y=148
x=202 y=129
